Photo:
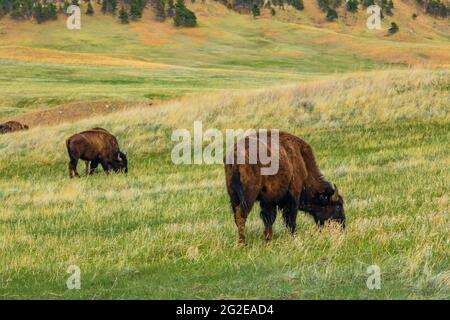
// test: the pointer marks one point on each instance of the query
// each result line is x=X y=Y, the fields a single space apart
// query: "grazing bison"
x=96 y=146
x=11 y=126
x=297 y=185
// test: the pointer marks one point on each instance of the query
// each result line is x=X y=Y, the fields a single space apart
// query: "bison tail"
x=236 y=182
x=69 y=150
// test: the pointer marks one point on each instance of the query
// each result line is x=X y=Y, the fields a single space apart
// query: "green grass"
x=31 y=86
x=166 y=231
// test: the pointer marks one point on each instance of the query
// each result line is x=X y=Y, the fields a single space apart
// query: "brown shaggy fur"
x=96 y=146
x=11 y=126
x=298 y=178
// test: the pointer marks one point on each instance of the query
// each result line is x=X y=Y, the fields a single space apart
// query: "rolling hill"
x=46 y=65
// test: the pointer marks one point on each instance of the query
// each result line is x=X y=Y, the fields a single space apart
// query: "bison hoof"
x=241 y=243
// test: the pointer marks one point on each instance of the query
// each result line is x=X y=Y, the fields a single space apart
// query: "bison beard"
x=298 y=179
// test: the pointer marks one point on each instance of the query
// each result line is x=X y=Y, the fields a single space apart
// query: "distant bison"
x=11 y=126
x=95 y=146
x=298 y=185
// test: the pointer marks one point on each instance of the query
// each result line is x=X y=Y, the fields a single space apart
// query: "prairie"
x=374 y=106
x=166 y=231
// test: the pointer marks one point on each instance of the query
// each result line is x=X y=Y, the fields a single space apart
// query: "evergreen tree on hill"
x=352 y=5
x=123 y=15
x=183 y=16
x=161 y=10
x=90 y=9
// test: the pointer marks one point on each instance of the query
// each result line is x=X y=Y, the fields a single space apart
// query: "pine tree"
x=90 y=9
x=297 y=4
x=104 y=6
x=352 y=5
x=389 y=7
x=52 y=12
x=255 y=11
x=183 y=16
x=135 y=9
x=38 y=13
x=123 y=15
x=171 y=8
x=113 y=4
x=161 y=10
x=367 y=3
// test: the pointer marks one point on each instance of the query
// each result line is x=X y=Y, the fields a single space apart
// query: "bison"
x=297 y=185
x=11 y=126
x=95 y=146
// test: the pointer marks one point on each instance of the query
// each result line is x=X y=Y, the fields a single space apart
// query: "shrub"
x=394 y=28
x=297 y=4
x=331 y=14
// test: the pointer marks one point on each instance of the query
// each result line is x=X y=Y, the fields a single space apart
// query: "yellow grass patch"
x=61 y=57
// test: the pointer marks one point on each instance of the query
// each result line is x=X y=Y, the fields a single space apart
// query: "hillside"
x=149 y=60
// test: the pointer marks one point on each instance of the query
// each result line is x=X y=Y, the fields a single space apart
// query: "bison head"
x=333 y=210
x=121 y=162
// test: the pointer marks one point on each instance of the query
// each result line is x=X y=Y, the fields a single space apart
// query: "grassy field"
x=375 y=108
x=166 y=231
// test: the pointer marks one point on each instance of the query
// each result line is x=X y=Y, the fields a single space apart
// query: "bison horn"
x=335 y=195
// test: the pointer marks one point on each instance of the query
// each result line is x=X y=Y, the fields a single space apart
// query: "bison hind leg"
x=73 y=167
x=268 y=214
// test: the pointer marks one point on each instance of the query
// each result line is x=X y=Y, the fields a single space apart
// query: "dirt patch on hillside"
x=76 y=111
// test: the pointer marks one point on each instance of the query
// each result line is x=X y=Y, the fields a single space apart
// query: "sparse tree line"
x=125 y=10
x=435 y=8
x=329 y=6
x=131 y=10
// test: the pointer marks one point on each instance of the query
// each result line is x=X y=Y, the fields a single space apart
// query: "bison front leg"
x=290 y=209
x=268 y=215
x=93 y=166
x=88 y=167
x=106 y=166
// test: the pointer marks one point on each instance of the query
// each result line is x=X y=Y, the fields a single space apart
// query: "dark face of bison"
x=333 y=210
x=121 y=163
x=124 y=159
